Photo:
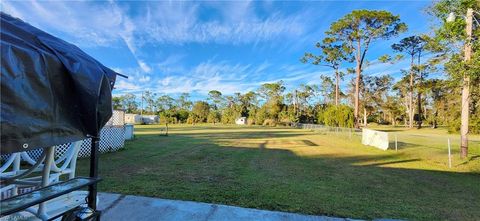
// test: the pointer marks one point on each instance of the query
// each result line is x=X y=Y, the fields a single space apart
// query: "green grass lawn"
x=298 y=170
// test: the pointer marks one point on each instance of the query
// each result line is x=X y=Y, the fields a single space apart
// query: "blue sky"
x=230 y=46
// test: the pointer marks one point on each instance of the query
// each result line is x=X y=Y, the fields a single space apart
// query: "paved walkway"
x=118 y=207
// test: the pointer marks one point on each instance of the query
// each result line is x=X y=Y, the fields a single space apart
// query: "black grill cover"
x=51 y=91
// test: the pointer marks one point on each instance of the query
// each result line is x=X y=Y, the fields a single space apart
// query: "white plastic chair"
x=51 y=172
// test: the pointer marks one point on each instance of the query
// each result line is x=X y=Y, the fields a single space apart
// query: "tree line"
x=270 y=104
x=439 y=87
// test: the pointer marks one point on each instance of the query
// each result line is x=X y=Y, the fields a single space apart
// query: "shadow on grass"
x=242 y=134
x=310 y=143
x=393 y=162
x=400 y=145
x=388 y=130
x=195 y=167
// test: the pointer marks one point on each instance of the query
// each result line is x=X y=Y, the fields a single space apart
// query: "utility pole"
x=466 y=87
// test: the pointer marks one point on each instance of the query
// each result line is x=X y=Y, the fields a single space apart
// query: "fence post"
x=396 y=143
x=449 y=155
x=167 y=130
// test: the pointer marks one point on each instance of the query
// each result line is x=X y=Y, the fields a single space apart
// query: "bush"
x=182 y=115
x=190 y=120
x=261 y=116
x=228 y=116
x=213 y=117
x=336 y=116
x=166 y=119
x=454 y=126
x=269 y=122
x=200 y=112
x=475 y=126
x=287 y=116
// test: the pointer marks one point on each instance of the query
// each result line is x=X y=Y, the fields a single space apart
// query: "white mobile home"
x=141 y=119
x=150 y=119
x=133 y=119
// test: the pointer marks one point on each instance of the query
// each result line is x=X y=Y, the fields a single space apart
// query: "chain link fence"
x=343 y=132
x=433 y=145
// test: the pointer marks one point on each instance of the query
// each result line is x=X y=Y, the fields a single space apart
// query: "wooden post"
x=166 y=133
x=396 y=143
x=449 y=154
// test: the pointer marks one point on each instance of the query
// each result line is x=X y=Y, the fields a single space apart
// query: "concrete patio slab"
x=118 y=207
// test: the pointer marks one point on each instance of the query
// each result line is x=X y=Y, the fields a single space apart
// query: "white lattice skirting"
x=111 y=140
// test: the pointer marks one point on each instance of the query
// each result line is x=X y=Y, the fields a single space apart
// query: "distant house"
x=133 y=119
x=150 y=119
x=241 y=121
x=141 y=119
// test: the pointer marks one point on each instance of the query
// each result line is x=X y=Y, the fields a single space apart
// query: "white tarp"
x=375 y=138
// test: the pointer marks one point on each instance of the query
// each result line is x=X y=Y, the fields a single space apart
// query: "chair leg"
x=46 y=178
x=16 y=168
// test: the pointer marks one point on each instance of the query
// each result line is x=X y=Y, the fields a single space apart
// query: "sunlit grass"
x=296 y=170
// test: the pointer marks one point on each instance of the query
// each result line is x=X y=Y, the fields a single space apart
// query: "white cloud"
x=204 y=77
x=126 y=85
x=144 y=66
x=85 y=23
x=240 y=32
x=165 y=81
x=106 y=23
x=224 y=76
x=144 y=79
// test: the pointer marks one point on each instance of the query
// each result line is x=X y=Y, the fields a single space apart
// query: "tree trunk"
x=357 y=103
x=365 y=123
x=419 y=103
x=425 y=112
x=410 y=97
x=465 y=116
x=337 y=80
x=295 y=104
x=466 y=88
x=357 y=85
x=407 y=114
x=419 y=96
x=434 y=125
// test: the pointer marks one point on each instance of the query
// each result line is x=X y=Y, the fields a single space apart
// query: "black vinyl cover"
x=51 y=91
